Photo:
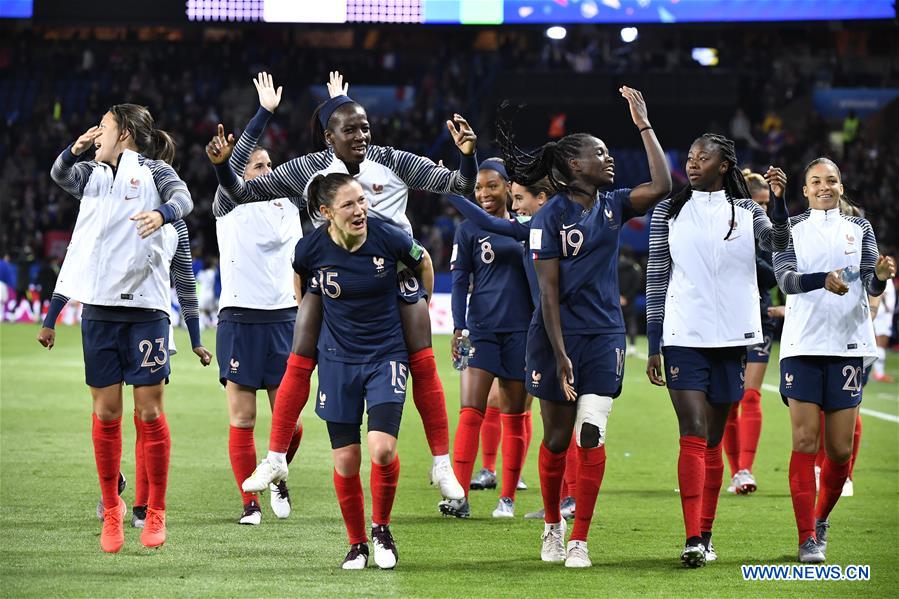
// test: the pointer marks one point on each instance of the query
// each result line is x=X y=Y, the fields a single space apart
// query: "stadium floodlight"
x=556 y=32
x=707 y=57
x=629 y=34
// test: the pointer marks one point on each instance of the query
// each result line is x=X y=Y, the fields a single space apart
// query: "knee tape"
x=590 y=423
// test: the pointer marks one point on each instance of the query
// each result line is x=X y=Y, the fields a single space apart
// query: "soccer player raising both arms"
x=576 y=340
x=122 y=278
x=363 y=360
x=386 y=175
x=830 y=267
x=702 y=248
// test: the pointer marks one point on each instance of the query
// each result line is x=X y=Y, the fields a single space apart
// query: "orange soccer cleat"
x=153 y=534
x=112 y=536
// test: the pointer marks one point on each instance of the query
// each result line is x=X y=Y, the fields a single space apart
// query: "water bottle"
x=461 y=363
x=849 y=274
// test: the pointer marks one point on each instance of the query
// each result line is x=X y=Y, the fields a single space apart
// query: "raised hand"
x=269 y=97
x=336 y=86
x=86 y=140
x=637 y=105
x=463 y=135
x=220 y=147
x=777 y=180
x=885 y=269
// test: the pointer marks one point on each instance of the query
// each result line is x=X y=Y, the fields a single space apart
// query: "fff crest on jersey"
x=378 y=262
x=535 y=377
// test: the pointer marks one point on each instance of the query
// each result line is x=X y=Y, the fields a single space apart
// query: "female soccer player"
x=828 y=271
x=386 y=175
x=123 y=281
x=701 y=249
x=526 y=201
x=497 y=314
x=363 y=361
x=185 y=284
x=576 y=345
x=258 y=303
x=744 y=422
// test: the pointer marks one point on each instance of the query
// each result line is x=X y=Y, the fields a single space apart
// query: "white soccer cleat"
x=252 y=515
x=505 y=508
x=266 y=473
x=280 y=499
x=521 y=486
x=553 y=549
x=848 y=488
x=443 y=477
x=745 y=482
x=356 y=558
x=578 y=556
x=386 y=555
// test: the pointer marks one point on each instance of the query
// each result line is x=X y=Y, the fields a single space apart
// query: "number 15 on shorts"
x=399 y=374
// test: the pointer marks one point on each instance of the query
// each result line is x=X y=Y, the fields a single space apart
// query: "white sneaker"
x=505 y=508
x=443 y=477
x=356 y=558
x=732 y=487
x=280 y=499
x=578 y=556
x=266 y=472
x=385 y=547
x=252 y=515
x=553 y=549
x=848 y=488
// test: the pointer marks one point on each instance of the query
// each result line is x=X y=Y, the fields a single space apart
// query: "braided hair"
x=549 y=161
x=734 y=182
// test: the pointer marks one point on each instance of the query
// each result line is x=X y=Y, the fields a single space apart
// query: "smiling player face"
x=108 y=146
x=348 y=212
x=823 y=187
x=595 y=165
x=524 y=202
x=491 y=192
x=349 y=133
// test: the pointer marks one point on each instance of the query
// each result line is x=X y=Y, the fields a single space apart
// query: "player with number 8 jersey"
x=363 y=360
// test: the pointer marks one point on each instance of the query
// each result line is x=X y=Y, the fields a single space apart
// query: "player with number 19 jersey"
x=586 y=244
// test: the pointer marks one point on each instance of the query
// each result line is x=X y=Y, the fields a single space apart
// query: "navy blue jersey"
x=586 y=244
x=500 y=298
x=358 y=289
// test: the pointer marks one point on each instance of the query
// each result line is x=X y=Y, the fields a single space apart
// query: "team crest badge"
x=674 y=370
x=378 y=262
x=234 y=366
x=377 y=188
x=788 y=379
x=322 y=398
x=535 y=377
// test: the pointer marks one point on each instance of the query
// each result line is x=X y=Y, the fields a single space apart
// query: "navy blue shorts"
x=500 y=354
x=597 y=362
x=409 y=287
x=134 y=352
x=832 y=382
x=345 y=389
x=253 y=354
x=716 y=371
x=759 y=354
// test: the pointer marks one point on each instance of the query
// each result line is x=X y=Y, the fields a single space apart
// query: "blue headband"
x=493 y=165
x=328 y=108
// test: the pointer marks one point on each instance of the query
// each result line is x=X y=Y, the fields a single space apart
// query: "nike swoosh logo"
x=155 y=370
x=484 y=239
x=565 y=227
x=855 y=394
x=847 y=253
x=134 y=198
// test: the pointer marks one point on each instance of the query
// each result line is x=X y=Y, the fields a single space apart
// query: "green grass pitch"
x=48 y=490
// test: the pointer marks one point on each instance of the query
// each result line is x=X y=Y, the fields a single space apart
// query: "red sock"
x=590 y=470
x=833 y=475
x=294 y=443
x=802 y=490
x=141 y=484
x=691 y=479
x=107 y=436
x=571 y=461
x=292 y=395
x=856 y=443
x=491 y=433
x=551 y=466
x=750 y=427
x=514 y=436
x=731 y=439
x=383 y=489
x=711 y=488
x=352 y=506
x=465 y=447
x=427 y=393
x=819 y=458
x=242 y=451
x=528 y=433
x=157 y=445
